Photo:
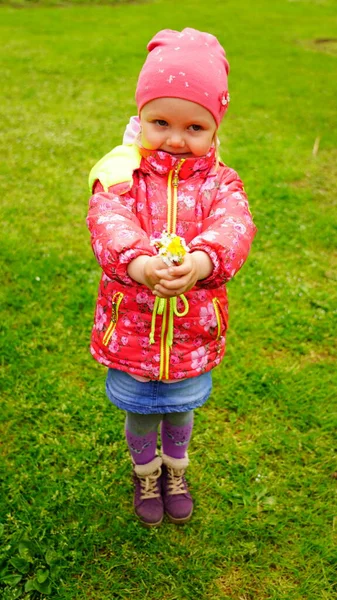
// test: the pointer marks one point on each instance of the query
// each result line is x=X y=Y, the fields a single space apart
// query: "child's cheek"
x=147 y=141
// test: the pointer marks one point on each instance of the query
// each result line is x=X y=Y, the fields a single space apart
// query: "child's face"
x=177 y=126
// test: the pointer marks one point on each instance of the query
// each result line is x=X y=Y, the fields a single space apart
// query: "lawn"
x=265 y=521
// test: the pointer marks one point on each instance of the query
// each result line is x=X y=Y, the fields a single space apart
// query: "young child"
x=170 y=225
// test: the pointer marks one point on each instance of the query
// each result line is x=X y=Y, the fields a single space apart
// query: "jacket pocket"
x=221 y=317
x=116 y=300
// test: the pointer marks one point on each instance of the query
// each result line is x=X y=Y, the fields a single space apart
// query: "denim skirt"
x=156 y=397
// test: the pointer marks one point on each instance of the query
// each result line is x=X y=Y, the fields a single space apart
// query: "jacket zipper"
x=116 y=300
x=172 y=186
x=220 y=318
x=173 y=182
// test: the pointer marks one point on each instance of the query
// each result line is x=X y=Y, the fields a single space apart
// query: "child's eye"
x=195 y=127
x=161 y=122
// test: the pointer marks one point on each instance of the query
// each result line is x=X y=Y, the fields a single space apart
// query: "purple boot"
x=148 y=501
x=178 y=503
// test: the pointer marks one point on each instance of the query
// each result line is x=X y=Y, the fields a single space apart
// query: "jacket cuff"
x=211 y=280
x=125 y=258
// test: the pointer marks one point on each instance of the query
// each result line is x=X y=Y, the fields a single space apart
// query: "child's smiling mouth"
x=180 y=154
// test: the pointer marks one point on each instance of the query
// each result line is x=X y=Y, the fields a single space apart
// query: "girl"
x=170 y=225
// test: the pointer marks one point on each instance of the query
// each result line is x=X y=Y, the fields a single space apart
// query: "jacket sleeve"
x=227 y=232
x=116 y=234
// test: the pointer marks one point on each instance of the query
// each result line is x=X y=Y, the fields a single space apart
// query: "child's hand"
x=154 y=271
x=167 y=282
x=182 y=278
x=148 y=270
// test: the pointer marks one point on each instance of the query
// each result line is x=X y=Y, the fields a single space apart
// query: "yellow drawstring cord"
x=158 y=309
x=174 y=311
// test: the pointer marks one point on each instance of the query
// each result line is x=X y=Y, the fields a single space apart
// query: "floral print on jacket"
x=212 y=216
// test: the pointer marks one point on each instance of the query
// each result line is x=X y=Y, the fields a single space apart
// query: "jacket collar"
x=162 y=162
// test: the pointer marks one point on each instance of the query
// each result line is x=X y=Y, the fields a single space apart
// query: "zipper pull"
x=113 y=312
x=175 y=179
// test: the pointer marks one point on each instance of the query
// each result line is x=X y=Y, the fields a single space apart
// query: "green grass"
x=264 y=526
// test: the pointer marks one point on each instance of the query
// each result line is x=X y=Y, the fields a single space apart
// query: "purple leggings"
x=141 y=433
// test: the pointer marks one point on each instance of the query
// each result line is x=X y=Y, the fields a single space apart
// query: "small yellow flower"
x=176 y=248
x=172 y=248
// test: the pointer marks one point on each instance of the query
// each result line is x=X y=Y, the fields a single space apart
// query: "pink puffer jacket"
x=180 y=337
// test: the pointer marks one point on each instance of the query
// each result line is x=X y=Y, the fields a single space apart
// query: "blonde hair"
x=216 y=143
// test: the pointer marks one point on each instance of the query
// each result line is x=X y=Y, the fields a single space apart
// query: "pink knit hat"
x=186 y=64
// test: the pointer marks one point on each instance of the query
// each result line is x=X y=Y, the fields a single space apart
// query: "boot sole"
x=179 y=521
x=147 y=524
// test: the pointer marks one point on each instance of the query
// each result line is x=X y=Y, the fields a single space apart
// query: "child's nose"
x=176 y=140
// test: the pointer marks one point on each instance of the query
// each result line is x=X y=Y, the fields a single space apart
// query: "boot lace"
x=149 y=485
x=176 y=481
